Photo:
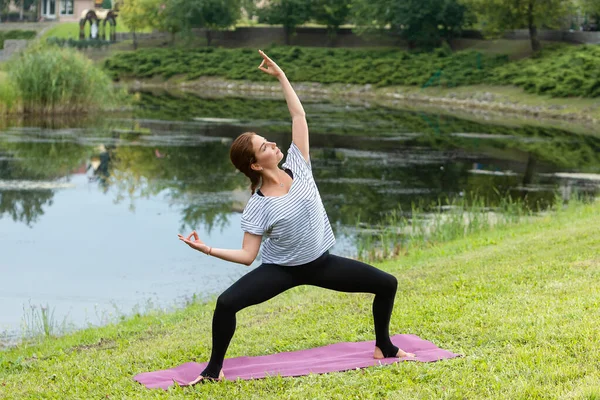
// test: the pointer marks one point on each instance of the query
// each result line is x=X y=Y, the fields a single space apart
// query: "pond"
x=90 y=208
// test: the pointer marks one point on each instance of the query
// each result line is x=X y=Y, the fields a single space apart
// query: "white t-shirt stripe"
x=296 y=225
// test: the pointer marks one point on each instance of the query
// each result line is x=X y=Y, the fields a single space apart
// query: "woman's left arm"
x=299 y=125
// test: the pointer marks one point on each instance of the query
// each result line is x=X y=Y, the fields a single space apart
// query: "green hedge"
x=16 y=34
x=78 y=44
x=377 y=67
x=560 y=71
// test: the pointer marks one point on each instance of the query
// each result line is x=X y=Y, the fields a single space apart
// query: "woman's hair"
x=242 y=156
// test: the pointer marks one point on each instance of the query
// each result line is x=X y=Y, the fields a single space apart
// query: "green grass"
x=66 y=30
x=520 y=303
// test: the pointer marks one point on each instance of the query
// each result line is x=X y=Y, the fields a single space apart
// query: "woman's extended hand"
x=272 y=68
x=195 y=243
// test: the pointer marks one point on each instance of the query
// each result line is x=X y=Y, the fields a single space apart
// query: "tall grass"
x=9 y=96
x=57 y=80
x=446 y=220
x=39 y=322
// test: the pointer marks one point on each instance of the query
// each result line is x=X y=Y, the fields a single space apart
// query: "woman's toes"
x=402 y=354
x=195 y=381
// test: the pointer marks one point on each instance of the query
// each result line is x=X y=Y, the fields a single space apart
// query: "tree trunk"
x=331 y=36
x=21 y=10
x=135 y=43
x=208 y=38
x=287 y=32
x=172 y=38
x=533 y=36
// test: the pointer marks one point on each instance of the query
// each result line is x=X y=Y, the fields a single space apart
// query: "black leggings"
x=328 y=271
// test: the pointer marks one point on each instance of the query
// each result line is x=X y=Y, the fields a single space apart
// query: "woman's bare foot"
x=378 y=354
x=201 y=378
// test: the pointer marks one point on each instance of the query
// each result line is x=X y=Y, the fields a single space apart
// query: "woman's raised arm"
x=299 y=125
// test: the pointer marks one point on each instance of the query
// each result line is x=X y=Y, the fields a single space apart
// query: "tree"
x=289 y=13
x=422 y=22
x=137 y=15
x=23 y=5
x=208 y=14
x=3 y=7
x=166 y=16
x=590 y=7
x=497 y=16
x=331 y=13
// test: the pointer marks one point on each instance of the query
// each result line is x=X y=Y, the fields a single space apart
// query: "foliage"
x=289 y=13
x=27 y=5
x=373 y=66
x=78 y=44
x=16 y=34
x=9 y=97
x=331 y=13
x=421 y=22
x=169 y=16
x=498 y=16
x=591 y=7
x=51 y=79
x=210 y=14
x=138 y=15
x=559 y=71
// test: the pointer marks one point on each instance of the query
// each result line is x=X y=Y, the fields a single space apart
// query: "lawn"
x=68 y=30
x=520 y=303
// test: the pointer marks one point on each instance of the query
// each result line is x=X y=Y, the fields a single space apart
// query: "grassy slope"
x=520 y=303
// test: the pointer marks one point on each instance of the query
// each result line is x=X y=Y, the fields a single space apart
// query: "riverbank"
x=497 y=104
x=520 y=303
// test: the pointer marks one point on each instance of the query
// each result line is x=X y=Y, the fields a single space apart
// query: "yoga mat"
x=320 y=360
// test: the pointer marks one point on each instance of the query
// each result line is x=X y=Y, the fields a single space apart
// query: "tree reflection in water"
x=367 y=161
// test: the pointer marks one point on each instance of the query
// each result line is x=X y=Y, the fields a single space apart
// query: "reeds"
x=54 y=80
x=39 y=322
x=446 y=220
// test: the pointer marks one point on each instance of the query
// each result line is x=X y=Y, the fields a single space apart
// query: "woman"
x=288 y=210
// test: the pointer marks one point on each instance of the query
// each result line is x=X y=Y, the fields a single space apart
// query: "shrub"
x=560 y=71
x=16 y=34
x=53 y=79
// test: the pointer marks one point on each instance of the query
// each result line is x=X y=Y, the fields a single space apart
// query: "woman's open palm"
x=271 y=68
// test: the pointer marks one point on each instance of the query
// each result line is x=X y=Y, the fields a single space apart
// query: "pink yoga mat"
x=331 y=358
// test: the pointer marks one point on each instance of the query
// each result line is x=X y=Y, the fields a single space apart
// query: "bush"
x=16 y=34
x=78 y=44
x=53 y=79
x=357 y=66
x=559 y=71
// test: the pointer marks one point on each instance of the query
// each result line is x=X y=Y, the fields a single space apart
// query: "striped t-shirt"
x=296 y=226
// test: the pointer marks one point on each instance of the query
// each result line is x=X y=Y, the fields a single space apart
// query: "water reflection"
x=165 y=168
x=376 y=159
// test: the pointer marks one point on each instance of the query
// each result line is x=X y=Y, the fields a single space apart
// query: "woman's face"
x=266 y=153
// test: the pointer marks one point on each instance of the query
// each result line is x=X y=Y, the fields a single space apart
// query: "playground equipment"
x=98 y=20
